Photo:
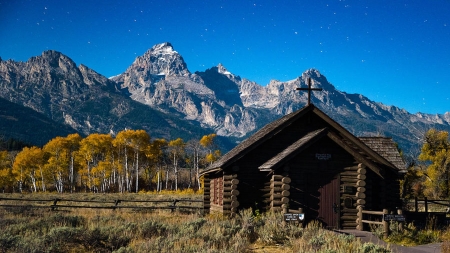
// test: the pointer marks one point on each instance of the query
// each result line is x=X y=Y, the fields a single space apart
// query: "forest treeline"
x=129 y=162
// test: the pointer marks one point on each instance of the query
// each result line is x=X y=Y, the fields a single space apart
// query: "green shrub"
x=59 y=219
x=153 y=228
x=8 y=242
x=369 y=247
x=409 y=235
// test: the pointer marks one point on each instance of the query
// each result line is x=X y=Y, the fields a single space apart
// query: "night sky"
x=396 y=52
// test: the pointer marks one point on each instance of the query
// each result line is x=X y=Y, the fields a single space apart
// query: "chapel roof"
x=371 y=151
x=387 y=148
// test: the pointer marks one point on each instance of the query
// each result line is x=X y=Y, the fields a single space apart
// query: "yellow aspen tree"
x=93 y=149
x=135 y=142
x=101 y=175
x=436 y=153
x=122 y=143
x=207 y=142
x=155 y=155
x=194 y=147
x=72 y=146
x=57 y=162
x=177 y=149
x=28 y=166
x=140 y=140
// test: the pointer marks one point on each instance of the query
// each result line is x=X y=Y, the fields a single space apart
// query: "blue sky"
x=396 y=52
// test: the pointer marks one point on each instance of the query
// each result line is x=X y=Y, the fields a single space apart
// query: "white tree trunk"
x=42 y=179
x=175 y=170
x=137 y=171
x=33 y=181
x=158 y=189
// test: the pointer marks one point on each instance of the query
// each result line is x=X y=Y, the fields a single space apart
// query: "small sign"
x=394 y=217
x=323 y=156
x=294 y=216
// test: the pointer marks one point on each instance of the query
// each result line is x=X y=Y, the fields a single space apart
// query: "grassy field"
x=128 y=230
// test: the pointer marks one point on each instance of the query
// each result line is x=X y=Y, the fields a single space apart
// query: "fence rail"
x=426 y=202
x=54 y=204
x=380 y=220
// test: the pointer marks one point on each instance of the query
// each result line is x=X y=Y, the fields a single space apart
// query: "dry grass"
x=87 y=230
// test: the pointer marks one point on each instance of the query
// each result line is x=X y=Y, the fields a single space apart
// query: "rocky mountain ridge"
x=236 y=106
x=215 y=99
x=79 y=97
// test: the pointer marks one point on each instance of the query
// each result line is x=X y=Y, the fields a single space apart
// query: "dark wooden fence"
x=427 y=211
x=443 y=205
x=378 y=218
x=60 y=203
x=420 y=214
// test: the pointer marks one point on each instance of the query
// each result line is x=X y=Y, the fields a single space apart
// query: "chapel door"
x=329 y=203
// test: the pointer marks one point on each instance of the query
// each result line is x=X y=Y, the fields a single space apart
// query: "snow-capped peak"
x=163 y=48
x=222 y=70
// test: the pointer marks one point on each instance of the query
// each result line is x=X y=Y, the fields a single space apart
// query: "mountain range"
x=159 y=94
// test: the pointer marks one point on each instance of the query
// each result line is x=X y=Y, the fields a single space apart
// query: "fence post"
x=385 y=225
x=360 y=225
x=55 y=201
x=426 y=205
x=302 y=222
x=400 y=223
x=116 y=203
x=416 y=205
x=174 y=205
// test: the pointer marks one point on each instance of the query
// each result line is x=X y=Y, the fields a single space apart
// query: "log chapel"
x=306 y=160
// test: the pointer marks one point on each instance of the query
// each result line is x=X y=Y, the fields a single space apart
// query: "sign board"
x=294 y=216
x=393 y=217
x=324 y=157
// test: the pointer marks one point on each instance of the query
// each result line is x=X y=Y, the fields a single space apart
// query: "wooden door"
x=329 y=204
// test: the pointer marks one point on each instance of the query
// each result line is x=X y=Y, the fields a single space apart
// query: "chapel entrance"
x=329 y=203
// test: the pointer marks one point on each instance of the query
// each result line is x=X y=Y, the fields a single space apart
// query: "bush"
x=85 y=230
x=153 y=228
x=8 y=241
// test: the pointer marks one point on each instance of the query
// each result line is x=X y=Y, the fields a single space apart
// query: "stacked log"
x=206 y=193
x=279 y=192
x=360 y=193
x=230 y=193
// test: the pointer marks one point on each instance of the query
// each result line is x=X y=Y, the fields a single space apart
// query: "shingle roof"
x=293 y=149
x=276 y=126
x=253 y=141
x=387 y=148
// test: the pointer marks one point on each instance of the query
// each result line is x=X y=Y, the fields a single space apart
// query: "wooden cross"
x=309 y=89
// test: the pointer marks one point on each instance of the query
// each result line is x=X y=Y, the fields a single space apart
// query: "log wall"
x=230 y=194
x=279 y=192
x=206 y=194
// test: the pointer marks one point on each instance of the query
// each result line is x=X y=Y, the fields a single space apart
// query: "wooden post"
x=426 y=205
x=359 y=220
x=385 y=225
x=416 y=205
x=300 y=210
x=400 y=224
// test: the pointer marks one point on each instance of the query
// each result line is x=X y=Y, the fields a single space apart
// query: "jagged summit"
x=165 y=47
x=159 y=62
x=161 y=59
x=222 y=70
x=312 y=73
x=55 y=59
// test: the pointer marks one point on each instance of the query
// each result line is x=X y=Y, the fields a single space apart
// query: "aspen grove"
x=129 y=162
